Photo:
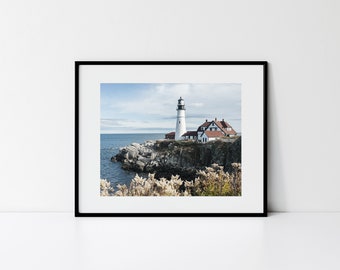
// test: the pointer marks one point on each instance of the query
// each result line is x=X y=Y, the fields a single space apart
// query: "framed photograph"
x=170 y=138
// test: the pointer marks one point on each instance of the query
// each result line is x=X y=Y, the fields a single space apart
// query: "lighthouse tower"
x=180 y=124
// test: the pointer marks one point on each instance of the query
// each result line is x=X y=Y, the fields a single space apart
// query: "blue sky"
x=151 y=108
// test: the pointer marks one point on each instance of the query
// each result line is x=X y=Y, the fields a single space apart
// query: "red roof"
x=190 y=133
x=224 y=126
x=205 y=124
x=230 y=132
x=170 y=135
x=213 y=133
x=219 y=124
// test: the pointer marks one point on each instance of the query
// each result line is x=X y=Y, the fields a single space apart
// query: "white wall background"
x=40 y=40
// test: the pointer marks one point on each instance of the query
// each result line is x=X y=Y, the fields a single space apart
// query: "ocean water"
x=109 y=146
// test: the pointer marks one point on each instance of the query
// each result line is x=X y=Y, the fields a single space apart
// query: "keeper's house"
x=208 y=131
x=212 y=130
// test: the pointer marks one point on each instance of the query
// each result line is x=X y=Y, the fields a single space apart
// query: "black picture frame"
x=77 y=195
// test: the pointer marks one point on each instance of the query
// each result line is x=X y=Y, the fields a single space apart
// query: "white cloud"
x=156 y=106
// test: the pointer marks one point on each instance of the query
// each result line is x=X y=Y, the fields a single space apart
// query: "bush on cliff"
x=212 y=181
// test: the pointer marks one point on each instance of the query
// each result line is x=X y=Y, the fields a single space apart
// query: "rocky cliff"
x=169 y=157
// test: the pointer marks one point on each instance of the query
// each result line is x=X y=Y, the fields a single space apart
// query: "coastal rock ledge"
x=183 y=158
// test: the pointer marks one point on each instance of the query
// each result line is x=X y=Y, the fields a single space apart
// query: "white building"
x=211 y=130
x=180 y=124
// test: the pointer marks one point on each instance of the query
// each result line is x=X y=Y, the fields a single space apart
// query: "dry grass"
x=212 y=181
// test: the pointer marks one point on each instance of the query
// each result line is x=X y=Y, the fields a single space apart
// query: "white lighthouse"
x=180 y=124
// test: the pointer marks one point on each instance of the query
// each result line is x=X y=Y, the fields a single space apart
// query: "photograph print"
x=170 y=139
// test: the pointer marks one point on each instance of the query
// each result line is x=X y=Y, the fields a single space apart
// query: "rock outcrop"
x=184 y=158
